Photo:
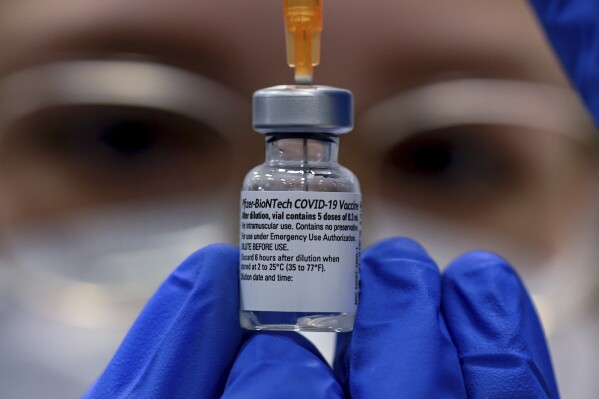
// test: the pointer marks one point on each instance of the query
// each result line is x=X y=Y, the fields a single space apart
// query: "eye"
x=113 y=149
x=110 y=137
x=453 y=166
x=128 y=137
x=121 y=134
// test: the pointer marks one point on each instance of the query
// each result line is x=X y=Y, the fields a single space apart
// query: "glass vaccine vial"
x=300 y=215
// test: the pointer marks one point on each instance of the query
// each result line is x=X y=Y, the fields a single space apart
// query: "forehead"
x=373 y=47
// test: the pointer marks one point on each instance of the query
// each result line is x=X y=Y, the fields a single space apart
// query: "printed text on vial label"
x=300 y=251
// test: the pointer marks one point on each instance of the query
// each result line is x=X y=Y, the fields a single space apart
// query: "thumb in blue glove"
x=281 y=365
x=184 y=341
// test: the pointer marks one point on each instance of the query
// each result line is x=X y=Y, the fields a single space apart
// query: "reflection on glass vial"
x=300 y=215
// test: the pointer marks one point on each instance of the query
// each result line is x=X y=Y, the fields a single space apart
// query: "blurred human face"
x=464 y=120
x=467 y=134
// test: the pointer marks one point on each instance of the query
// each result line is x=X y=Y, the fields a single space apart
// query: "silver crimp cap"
x=310 y=109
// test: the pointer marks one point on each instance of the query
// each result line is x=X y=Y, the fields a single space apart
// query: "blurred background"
x=125 y=132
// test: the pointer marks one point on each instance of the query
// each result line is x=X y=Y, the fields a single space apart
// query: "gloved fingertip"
x=396 y=274
x=207 y=282
x=210 y=272
x=398 y=328
x=480 y=265
x=217 y=249
x=222 y=255
x=280 y=364
x=495 y=328
x=484 y=281
x=188 y=332
x=398 y=247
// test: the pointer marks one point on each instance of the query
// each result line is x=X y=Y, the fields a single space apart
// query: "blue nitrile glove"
x=573 y=29
x=471 y=332
x=281 y=366
x=185 y=339
x=184 y=342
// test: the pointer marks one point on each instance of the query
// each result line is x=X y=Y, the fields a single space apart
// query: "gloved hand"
x=573 y=29
x=186 y=337
x=469 y=333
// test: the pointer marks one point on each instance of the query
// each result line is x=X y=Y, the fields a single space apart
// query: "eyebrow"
x=130 y=83
x=457 y=102
x=196 y=53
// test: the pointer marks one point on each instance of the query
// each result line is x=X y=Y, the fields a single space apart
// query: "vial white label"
x=300 y=251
